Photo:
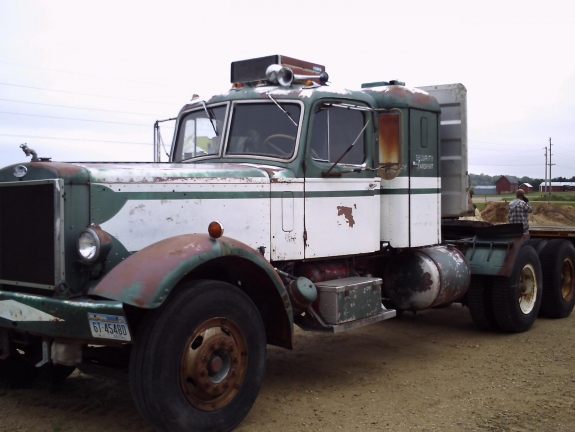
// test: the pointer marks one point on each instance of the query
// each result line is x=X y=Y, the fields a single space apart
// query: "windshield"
x=263 y=129
x=197 y=133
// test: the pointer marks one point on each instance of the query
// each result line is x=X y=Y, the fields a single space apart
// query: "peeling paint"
x=347 y=212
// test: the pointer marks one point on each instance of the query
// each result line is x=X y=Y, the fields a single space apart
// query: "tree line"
x=487 y=180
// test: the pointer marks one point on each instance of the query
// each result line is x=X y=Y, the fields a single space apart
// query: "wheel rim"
x=214 y=364
x=527 y=289
x=567 y=280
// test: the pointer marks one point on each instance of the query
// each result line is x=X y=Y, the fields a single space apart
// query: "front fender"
x=146 y=278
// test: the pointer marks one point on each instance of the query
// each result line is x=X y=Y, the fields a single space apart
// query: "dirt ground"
x=434 y=371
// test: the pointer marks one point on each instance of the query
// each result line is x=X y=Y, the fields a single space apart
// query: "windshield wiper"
x=283 y=110
x=325 y=174
x=210 y=117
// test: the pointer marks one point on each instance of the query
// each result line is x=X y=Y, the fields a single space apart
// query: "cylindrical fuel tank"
x=417 y=279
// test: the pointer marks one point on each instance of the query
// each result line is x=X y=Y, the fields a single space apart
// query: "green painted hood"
x=70 y=173
x=84 y=172
x=168 y=172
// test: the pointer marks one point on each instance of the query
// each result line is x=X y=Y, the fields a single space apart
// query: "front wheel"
x=199 y=360
x=517 y=299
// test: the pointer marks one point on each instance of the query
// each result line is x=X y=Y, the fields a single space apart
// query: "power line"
x=489 y=151
x=500 y=143
x=80 y=108
x=73 y=139
x=506 y=165
x=563 y=156
x=85 y=94
x=70 y=118
x=85 y=74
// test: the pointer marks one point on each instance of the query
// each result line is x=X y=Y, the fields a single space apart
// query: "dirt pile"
x=564 y=215
x=544 y=214
x=495 y=212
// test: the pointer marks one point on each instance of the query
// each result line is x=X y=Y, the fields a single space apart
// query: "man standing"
x=518 y=209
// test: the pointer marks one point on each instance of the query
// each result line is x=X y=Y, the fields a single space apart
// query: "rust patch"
x=62 y=169
x=347 y=212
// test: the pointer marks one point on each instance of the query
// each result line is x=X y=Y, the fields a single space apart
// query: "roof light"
x=215 y=230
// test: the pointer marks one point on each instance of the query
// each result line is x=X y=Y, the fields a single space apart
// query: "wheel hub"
x=567 y=280
x=214 y=362
x=527 y=289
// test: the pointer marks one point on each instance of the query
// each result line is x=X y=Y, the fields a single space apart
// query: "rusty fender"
x=146 y=278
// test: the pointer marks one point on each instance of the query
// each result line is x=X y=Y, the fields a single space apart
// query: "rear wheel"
x=480 y=303
x=517 y=299
x=199 y=360
x=538 y=244
x=558 y=263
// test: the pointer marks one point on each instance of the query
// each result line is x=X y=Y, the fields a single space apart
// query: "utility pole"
x=545 y=183
x=550 y=165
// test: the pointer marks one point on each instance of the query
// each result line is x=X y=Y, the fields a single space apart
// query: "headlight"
x=93 y=244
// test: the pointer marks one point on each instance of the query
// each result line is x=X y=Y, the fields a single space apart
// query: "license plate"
x=109 y=327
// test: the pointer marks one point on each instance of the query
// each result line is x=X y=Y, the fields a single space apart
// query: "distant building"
x=527 y=188
x=507 y=184
x=557 y=186
x=485 y=190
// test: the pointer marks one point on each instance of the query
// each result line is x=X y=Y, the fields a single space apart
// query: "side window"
x=389 y=145
x=424 y=132
x=334 y=130
x=199 y=135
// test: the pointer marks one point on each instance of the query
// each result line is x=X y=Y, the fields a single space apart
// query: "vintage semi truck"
x=340 y=207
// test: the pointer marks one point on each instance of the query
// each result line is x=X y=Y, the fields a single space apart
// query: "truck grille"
x=29 y=232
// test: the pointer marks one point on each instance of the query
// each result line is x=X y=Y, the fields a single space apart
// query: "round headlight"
x=89 y=245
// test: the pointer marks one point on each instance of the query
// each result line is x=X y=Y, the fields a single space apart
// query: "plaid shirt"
x=518 y=210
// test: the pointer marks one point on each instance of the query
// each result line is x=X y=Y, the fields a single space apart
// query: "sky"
x=85 y=80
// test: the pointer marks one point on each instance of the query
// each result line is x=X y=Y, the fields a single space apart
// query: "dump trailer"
x=340 y=207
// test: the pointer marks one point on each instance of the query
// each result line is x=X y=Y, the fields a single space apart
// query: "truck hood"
x=173 y=173
x=83 y=172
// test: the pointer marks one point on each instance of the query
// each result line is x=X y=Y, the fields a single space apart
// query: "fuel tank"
x=417 y=279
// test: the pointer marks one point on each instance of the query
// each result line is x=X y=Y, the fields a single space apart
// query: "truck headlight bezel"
x=93 y=245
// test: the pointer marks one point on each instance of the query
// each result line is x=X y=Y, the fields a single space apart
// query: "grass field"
x=554 y=197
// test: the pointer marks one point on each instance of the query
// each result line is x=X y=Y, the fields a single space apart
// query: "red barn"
x=526 y=187
x=507 y=184
x=557 y=186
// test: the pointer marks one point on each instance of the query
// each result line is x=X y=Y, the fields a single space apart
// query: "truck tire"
x=480 y=304
x=538 y=244
x=517 y=299
x=558 y=265
x=199 y=360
